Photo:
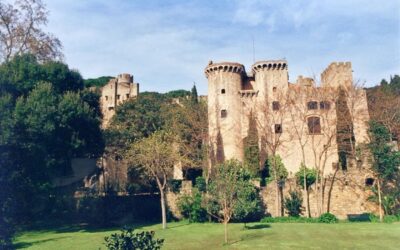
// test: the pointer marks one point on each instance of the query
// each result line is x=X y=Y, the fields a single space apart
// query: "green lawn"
x=181 y=235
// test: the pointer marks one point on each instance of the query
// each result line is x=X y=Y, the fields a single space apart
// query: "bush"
x=191 y=207
x=289 y=220
x=175 y=185
x=127 y=240
x=293 y=204
x=327 y=218
x=201 y=184
x=386 y=218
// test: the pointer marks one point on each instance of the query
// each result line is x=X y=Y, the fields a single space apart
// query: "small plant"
x=201 y=184
x=293 y=204
x=327 y=218
x=127 y=240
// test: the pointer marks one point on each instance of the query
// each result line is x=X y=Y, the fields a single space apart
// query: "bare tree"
x=21 y=31
x=157 y=156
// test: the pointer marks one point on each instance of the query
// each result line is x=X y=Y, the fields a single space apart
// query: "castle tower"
x=270 y=77
x=224 y=109
x=337 y=74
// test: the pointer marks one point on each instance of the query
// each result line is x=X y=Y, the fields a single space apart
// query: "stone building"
x=321 y=126
x=115 y=92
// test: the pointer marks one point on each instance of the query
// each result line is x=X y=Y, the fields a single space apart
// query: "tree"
x=293 y=204
x=156 y=155
x=386 y=161
x=251 y=148
x=306 y=177
x=227 y=191
x=193 y=95
x=21 y=31
x=278 y=173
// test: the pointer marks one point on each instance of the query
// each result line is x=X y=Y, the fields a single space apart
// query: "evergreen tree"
x=251 y=148
x=193 y=95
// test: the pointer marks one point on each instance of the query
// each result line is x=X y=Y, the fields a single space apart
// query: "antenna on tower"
x=254 y=50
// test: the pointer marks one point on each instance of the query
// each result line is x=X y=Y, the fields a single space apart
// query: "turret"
x=337 y=74
x=224 y=108
x=270 y=76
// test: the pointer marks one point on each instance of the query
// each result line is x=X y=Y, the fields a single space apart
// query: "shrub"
x=293 y=204
x=201 y=184
x=327 y=218
x=127 y=240
x=289 y=220
x=191 y=207
x=175 y=185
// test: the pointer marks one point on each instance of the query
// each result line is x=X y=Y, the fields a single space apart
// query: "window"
x=312 y=105
x=314 y=125
x=224 y=113
x=369 y=182
x=118 y=96
x=274 y=89
x=127 y=96
x=222 y=91
x=324 y=105
x=275 y=105
x=278 y=128
x=106 y=98
x=110 y=108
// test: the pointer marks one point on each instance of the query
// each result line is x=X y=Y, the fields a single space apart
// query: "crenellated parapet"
x=125 y=78
x=270 y=65
x=215 y=68
x=336 y=74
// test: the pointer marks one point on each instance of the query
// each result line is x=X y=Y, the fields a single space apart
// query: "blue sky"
x=167 y=44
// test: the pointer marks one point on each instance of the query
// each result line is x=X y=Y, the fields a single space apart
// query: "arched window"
x=314 y=125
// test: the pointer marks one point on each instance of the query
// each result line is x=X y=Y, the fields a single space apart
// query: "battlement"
x=337 y=73
x=305 y=81
x=224 y=67
x=270 y=65
x=125 y=78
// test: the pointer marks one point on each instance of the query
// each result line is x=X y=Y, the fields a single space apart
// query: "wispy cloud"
x=167 y=44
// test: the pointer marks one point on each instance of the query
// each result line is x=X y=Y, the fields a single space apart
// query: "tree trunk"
x=163 y=210
x=226 y=231
x=380 y=201
x=306 y=191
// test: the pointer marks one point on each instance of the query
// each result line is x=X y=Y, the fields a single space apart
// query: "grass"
x=181 y=235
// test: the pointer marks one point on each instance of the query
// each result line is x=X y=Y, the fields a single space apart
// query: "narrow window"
x=224 y=113
x=312 y=105
x=274 y=89
x=275 y=105
x=222 y=91
x=127 y=96
x=343 y=160
x=110 y=108
x=369 y=182
x=314 y=125
x=278 y=128
x=106 y=98
x=118 y=96
x=324 y=105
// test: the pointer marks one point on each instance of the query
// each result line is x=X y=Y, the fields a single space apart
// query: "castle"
x=115 y=92
x=298 y=121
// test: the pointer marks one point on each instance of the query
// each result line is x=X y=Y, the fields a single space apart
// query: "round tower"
x=125 y=78
x=224 y=109
x=270 y=77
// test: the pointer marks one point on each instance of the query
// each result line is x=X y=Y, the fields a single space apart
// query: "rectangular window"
x=275 y=105
x=118 y=96
x=106 y=98
x=222 y=91
x=278 y=128
x=127 y=96
x=314 y=125
x=312 y=105
x=224 y=113
x=324 y=105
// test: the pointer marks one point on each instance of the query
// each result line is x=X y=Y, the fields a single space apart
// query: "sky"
x=167 y=44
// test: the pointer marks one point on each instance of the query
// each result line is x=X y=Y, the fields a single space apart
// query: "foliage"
x=21 y=31
x=128 y=240
x=180 y=93
x=293 y=204
x=289 y=220
x=229 y=191
x=191 y=207
x=327 y=218
x=251 y=148
x=277 y=169
x=97 y=82
x=194 y=98
x=311 y=174
x=201 y=184
x=175 y=185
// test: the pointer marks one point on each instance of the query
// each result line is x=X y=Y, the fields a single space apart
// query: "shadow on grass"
x=20 y=245
x=258 y=226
